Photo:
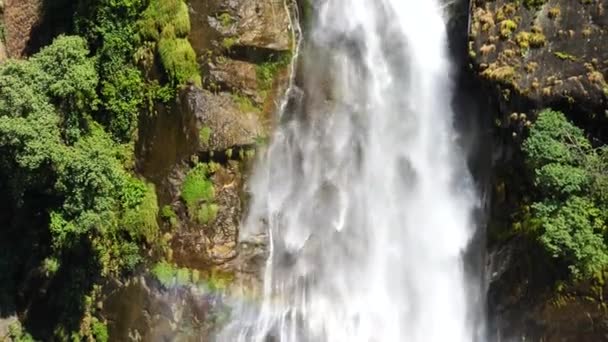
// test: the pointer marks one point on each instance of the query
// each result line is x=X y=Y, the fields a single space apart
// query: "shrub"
x=571 y=206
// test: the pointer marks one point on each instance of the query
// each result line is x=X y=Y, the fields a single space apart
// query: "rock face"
x=255 y=24
x=20 y=18
x=549 y=54
x=242 y=48
x=531 y=55
x=230 y=124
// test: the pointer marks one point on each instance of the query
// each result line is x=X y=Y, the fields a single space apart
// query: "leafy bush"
x=571 y=208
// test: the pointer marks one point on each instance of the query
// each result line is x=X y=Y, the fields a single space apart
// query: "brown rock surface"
x=231 y=123
x=20 y=18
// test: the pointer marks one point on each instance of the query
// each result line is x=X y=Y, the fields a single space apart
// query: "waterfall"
x=364 y=194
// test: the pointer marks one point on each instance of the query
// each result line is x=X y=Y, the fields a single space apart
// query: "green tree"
x=570 y=176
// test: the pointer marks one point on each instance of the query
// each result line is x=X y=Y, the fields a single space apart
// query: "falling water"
x=364 y=193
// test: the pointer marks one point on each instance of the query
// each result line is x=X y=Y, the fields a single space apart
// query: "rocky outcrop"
x=542 y=53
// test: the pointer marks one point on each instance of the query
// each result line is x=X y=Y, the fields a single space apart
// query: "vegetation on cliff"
x=570 y=214
x=73 y=210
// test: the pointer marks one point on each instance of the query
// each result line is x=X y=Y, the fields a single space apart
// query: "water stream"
x=364 y=194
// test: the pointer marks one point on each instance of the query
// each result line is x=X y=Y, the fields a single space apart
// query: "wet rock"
x=550 y=55
x=200 y=246
x=526 y=302
x=237 y=76
x=141 y=310
x=229 y=123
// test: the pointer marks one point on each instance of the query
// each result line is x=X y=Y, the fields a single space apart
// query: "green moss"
x=554 y=12
x=162 y=15
x=229 y=42
x=50 y=266
x=267 y=71
x=534 y=39
x=534 y=4
x=182 y=277
x=99 y=331
x=179 y=61
x=565 y=56
x=168 y=214
x=219 y=280
x=204 y=134
x=197 y=188
x=507 y=27
x=167 y=22
x=226 y=19
x=244 y=103
x=139 y=218
x=207 y=213
x=164 y=272
x=506 y=11
x=504 y=74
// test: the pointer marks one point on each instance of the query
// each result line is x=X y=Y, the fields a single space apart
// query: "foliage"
x=162 y=14
x=100 y=331
x=168 y=214
x=204 y=134
x=164 y=272
x=95 y=216
x=182 y=276
x=267 y=71
x=534 y=4
x=565 y=56
x=507 y=27
x=17 y=333
x=109 y=25
x=197 y=188
x=167 y=23
x=179 y=60
x=569 y=174
x=207 y=213
x=244 y=103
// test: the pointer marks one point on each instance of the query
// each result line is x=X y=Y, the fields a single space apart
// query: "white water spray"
x=364 y=192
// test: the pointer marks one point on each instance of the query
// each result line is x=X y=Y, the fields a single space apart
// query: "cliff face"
x=543 y=53
x=531 y=55
x=244 y=50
